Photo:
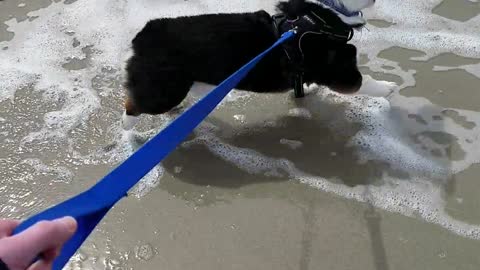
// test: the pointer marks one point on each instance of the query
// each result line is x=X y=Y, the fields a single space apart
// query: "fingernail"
x=69 y=222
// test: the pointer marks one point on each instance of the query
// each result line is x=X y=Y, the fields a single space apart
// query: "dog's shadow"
x=311 y=145
x=192 y=169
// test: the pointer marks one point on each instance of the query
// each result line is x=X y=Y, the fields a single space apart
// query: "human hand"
x=45 y=238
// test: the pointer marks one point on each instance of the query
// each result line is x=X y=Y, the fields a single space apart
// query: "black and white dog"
x=170 y=54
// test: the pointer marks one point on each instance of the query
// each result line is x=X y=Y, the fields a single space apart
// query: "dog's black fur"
x=170 y=54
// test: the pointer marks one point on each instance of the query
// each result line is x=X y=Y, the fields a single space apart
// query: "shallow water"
x=268 y=181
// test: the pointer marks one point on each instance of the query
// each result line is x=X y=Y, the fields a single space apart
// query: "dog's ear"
x=292 y=8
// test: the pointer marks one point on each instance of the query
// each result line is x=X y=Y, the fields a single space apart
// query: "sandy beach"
x=267 y=181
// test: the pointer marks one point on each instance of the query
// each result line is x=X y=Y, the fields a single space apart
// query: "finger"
x=51 y=254
x=41 y=265
x=7 y=227
x=44 y=236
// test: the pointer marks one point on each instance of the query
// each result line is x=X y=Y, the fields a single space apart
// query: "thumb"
x=41 y=237
x=41 y=265
x=46 y=235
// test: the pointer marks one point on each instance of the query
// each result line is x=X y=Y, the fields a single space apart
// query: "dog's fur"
x=170 y=54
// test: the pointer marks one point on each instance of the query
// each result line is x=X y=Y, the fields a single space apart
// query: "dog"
x=170 y=54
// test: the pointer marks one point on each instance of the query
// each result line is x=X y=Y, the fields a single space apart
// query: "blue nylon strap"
x=89 y=207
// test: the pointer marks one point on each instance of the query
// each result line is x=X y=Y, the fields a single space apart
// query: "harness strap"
x=91 y=206
x=310 y=23
x=295 y=61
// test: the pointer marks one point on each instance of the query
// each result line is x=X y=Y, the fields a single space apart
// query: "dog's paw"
x=372 y=87
x=177 y=110
x=128 y=121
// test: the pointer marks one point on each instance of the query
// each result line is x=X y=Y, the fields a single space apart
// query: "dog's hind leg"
x=130 y=115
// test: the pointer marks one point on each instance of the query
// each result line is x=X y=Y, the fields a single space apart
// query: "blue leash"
x=89 y=207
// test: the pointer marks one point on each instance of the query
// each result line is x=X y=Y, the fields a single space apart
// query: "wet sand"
x=206 y=212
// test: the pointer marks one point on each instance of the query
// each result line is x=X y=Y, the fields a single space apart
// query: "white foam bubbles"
x=300 y=112
x=248 y=160
x=414 y=26
x=13 y=79
x=380 y=139
x=149 y=181
x=62 y=174
x=292 y=144
x=374 y=88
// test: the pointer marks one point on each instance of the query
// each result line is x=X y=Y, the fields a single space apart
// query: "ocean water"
x=383 y=179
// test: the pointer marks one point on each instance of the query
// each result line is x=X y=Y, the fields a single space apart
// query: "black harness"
x=307 y=24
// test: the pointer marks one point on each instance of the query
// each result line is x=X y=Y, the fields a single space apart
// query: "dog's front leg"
x=130 y=115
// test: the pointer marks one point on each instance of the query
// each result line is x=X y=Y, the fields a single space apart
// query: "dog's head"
x=333 y=65
x=327 y=60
